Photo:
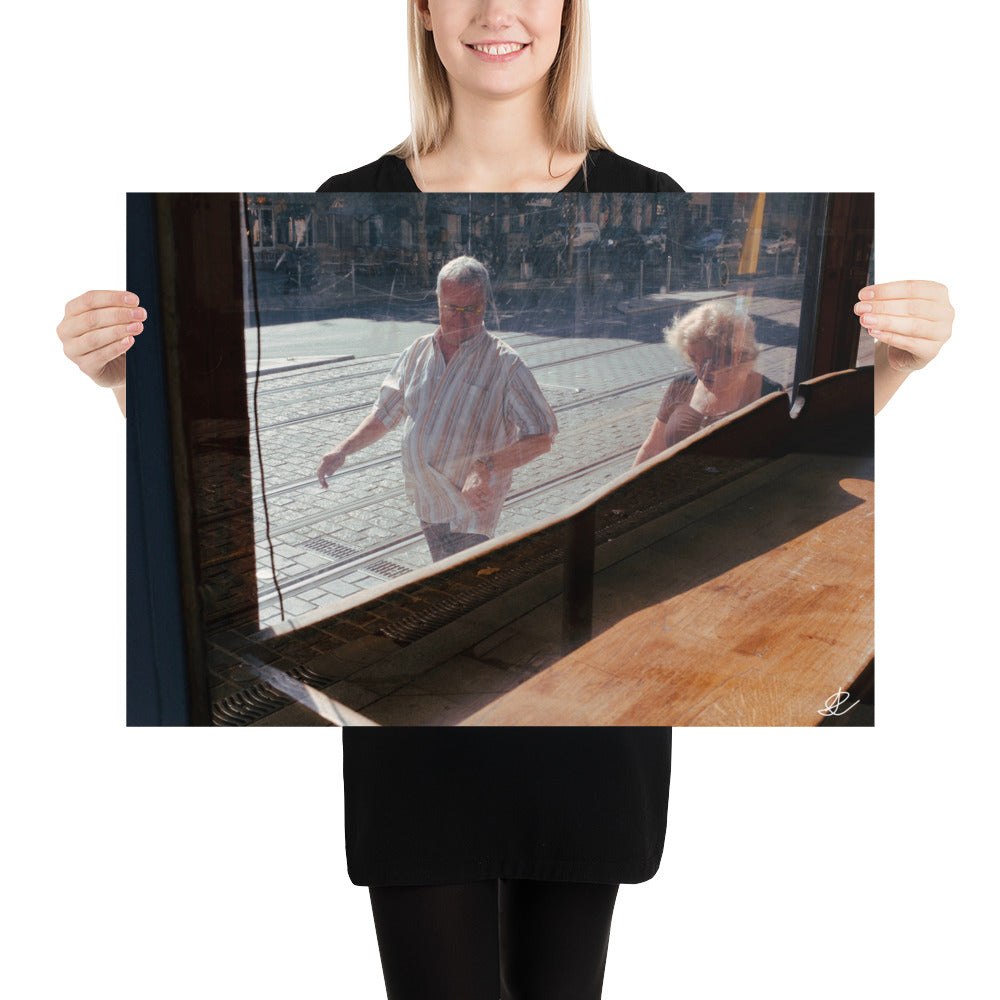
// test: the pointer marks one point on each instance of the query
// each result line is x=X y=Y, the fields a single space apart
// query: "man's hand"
x=477 y=489
x=96 y=331
x=331 y=462
x=912 y=318
x=367 y=432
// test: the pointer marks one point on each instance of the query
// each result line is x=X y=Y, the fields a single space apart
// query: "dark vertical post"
x=578 y=580
x=157 y=684
x=809 y=312
x=850 y=229
x=841 y=230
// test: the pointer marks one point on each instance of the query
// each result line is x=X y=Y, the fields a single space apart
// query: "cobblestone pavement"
x=331 y=544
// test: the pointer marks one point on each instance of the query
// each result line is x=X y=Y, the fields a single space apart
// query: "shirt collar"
x=474 y=341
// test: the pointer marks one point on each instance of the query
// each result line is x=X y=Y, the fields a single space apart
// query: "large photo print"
x=518 y=459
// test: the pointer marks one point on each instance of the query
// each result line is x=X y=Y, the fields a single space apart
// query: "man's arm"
x=521 y=452
x=480 y=484
x=367 y=432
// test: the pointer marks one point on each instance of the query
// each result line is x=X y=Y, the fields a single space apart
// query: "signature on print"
x=835 y=702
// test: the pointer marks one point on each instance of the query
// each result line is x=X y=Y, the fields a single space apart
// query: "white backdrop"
x=210 y=863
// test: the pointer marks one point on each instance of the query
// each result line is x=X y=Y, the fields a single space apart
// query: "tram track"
x=364 y=535
x=364 y=467
x=291 y=378
x=373 y=374
x=321 y=575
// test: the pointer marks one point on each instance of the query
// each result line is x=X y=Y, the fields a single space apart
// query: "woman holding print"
x=493 y=856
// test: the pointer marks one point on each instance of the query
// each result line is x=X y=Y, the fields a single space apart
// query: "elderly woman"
x=718 y=342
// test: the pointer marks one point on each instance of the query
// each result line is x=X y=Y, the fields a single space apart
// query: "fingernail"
x=867 y=293
x=130 y=300
x=862 y=307
x=134 y=328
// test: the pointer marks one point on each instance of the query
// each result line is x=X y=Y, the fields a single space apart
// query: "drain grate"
x=258 y=700
x=250 y=705
x=329 y=548
x=407 y=627
x=386 y=568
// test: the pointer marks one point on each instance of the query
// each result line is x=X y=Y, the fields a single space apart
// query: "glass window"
x=566 y=402
x=583 y=289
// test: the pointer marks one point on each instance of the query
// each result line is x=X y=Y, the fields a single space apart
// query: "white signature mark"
x=834 y=702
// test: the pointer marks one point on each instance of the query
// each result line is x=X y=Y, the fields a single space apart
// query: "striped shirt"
x=481 y=401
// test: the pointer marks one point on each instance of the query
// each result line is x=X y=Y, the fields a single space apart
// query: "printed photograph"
x=579 y=459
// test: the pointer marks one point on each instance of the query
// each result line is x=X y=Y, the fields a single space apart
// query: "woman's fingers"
x=96 y=299
x=916 y=327
x=928 y=290
x=913 y=318
x=97 y=328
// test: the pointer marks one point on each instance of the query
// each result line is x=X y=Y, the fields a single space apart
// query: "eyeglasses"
x=725 y=360
x=475 y=310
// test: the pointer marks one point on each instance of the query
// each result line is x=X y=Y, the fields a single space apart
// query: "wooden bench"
x=755 y=609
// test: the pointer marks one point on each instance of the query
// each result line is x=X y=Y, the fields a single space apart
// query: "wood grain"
x=753 y=615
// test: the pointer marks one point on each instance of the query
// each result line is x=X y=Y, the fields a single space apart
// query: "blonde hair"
x=718 y=323
x=571 y=119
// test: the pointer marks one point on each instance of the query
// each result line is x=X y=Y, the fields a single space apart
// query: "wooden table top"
x=752 y=612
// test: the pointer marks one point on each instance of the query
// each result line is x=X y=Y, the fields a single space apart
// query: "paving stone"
x=296 y=606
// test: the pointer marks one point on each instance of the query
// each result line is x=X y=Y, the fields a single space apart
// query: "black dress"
x=428 y=806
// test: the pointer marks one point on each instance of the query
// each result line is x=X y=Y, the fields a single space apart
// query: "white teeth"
x=499 y=50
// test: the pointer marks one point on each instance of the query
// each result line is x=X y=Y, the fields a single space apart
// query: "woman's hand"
x=96 y=331
x=912 y=318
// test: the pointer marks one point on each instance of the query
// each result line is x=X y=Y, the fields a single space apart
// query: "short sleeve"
x=525 y=406
x=679 y=391
x=390 y=403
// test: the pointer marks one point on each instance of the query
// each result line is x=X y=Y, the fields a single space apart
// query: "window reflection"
x=718 y=342
x=583 y=288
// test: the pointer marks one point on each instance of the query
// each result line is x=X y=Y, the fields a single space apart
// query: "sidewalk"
x=331 y=544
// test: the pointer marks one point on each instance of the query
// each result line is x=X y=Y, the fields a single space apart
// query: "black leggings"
x=515 y=939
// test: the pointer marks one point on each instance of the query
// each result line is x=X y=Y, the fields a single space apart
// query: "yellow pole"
x=751 y=245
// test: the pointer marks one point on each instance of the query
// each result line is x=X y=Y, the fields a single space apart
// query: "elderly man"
x=472 y=414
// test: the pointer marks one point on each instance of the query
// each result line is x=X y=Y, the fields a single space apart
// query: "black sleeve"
x=387 y=173
x=607 y=171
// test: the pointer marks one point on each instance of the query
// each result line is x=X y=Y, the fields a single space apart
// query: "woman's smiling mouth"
x=497 y=50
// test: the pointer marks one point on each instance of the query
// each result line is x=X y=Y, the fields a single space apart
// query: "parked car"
x=658 y=239
x=785 y=243
x=586 y=232
x=623 y=242
x=708 y=242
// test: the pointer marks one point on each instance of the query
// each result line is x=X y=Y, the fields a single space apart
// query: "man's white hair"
x=466 y=271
